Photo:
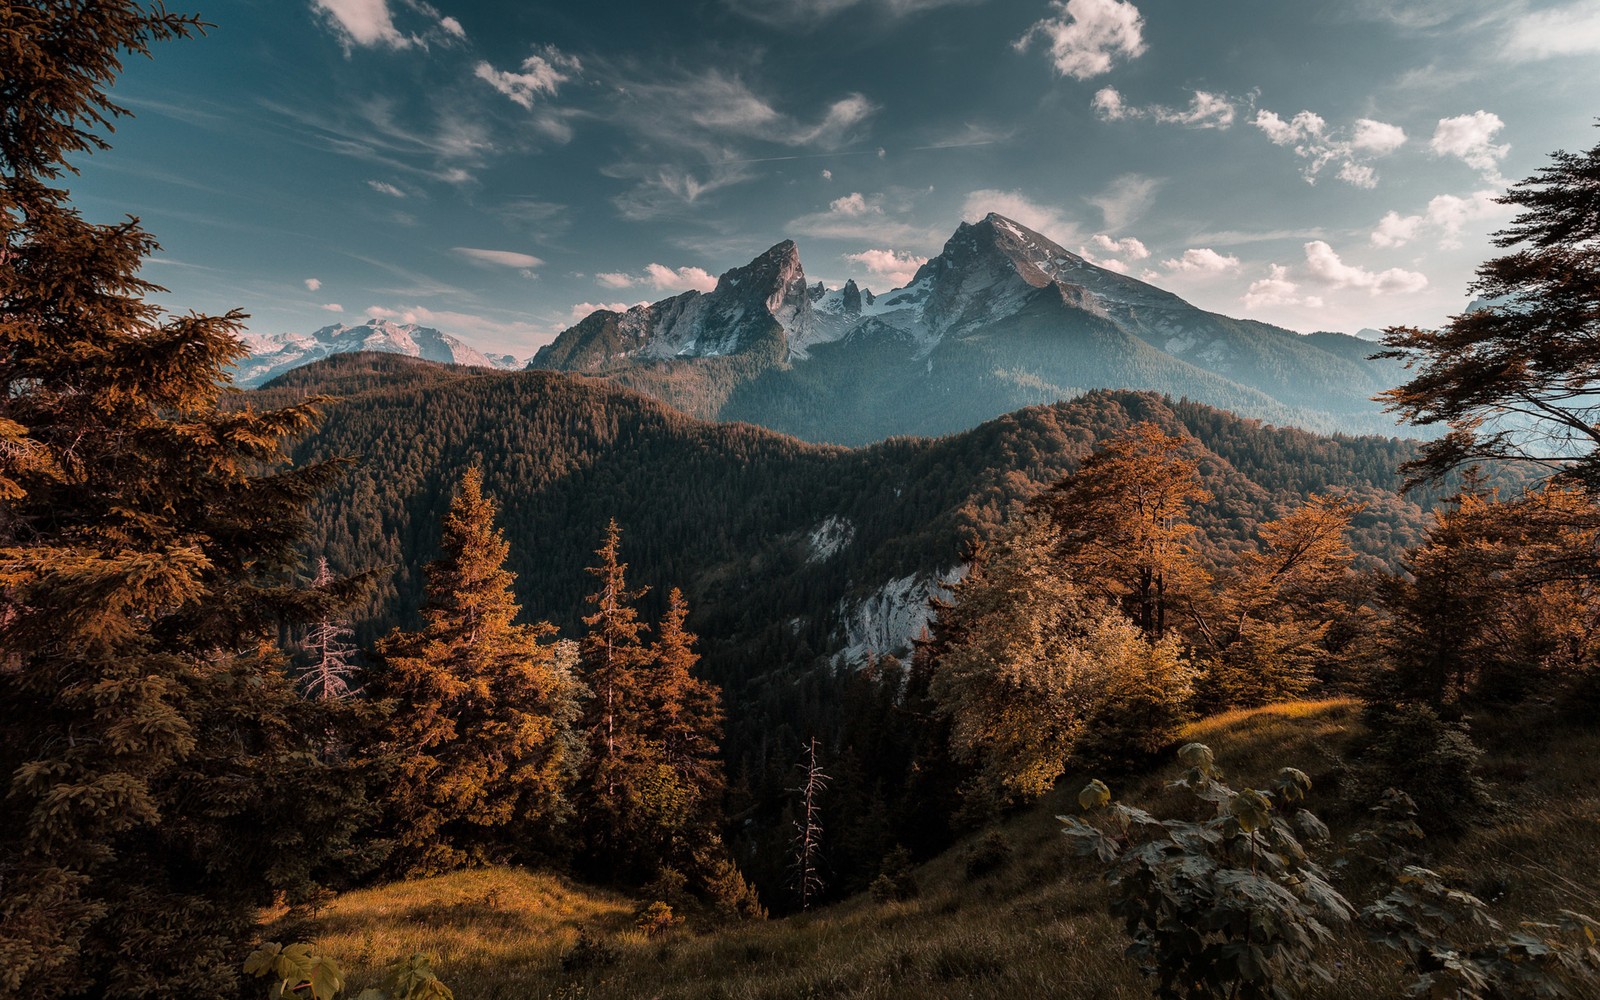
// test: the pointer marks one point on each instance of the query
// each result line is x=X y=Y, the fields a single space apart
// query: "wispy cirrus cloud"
x=1205 y=110
x=525 y=262
x=541 y=74
x=857 y=216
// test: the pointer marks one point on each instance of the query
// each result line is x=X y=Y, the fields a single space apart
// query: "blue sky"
x=496 y=169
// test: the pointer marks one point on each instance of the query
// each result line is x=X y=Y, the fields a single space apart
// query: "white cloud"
x=1395 y=230
x=370 y=23
x=1085 y=37
x=857 y=217
x=1309 y=136
x=1446 y=216
x=1358 y=175
x=1277 y=290
x=1377 y=137
x=1014 y=205
x=1201 y=260
x=364 y=22
x=895 y=266
x=542 y=73
x=312 y=284
x=581 y=310
x=383 y=187
x=1324 y=267
x=1128 y=246
x=1562 y=31
x=1471 y=138
x=1205 y=110
x=827 y=175
x=1126 y=198
x=662 y=277
x=809 y=14
x=499 y=258
x=332 y=307
x=513 y=336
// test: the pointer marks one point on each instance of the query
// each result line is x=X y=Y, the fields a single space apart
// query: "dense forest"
x=257 y=650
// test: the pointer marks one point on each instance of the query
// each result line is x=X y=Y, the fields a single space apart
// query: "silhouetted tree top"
x=1519 y=379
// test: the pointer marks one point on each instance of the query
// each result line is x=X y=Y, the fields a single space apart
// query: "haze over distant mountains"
x=273 y=354
x=1002 y=318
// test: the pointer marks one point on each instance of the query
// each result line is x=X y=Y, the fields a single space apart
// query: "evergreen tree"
x=1519 y=379
x=482 y=716
x=681 y=726
x=150 y=742
x=613 y=659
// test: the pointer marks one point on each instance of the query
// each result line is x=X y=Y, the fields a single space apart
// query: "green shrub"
x=1432 y=760
x=895 y=882
x=1226 y=904
x=991 y=853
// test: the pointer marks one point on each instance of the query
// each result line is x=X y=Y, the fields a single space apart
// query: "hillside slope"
x=1036 y=928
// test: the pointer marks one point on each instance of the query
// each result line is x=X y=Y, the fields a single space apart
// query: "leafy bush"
x=586 y=955
x=991 y=853
x=1226 y=904
x=895 y=883
x=293 y=971
x=656 y=918
x=1457 y=950
x=1432 y=760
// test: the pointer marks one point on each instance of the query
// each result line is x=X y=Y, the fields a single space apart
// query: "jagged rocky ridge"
x=272 y=355
x=1002 y=318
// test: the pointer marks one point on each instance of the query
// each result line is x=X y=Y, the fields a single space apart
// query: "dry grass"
x=1035 y=928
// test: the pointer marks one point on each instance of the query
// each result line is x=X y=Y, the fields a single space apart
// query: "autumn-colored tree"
x=1264 y=632
x=482 y=712
x=1032 y=661
x=681 y=728
x=1122 y=519
x=1518 y=380
x=149 y=736
x=613 y=660
x=1500 y=600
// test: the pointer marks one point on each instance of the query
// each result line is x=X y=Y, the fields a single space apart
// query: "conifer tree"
x=482 y=711
x=613 y=661
x=148 y=735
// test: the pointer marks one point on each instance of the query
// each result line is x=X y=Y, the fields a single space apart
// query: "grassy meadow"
x=1034 y=927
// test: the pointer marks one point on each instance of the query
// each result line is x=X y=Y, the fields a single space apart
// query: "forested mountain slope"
x=787 y=551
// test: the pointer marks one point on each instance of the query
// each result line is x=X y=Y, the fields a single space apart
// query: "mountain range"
x=1002 y=318
x=272 y=355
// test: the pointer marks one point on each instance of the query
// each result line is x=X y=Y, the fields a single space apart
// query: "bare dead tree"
x=332 y=653
x=808 y=830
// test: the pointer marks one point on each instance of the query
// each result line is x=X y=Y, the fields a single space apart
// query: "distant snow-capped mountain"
x=1002 y=318
x=273 y=354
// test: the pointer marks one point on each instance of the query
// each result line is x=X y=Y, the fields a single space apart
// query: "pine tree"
x=613 y=662
x=1519 y=379
x=482 y=711
x=149 y=739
